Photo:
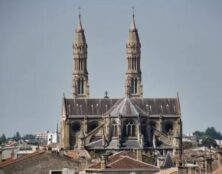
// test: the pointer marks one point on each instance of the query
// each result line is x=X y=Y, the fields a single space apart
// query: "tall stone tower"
x=133 y=79
x=80 y=84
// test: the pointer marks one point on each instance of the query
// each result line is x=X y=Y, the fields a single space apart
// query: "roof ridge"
x=6 y=163
x=121 y=158
x=141 y=161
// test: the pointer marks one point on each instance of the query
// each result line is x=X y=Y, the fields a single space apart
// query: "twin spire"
x=133 y=80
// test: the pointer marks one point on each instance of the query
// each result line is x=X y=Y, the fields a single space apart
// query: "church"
x=130 y=122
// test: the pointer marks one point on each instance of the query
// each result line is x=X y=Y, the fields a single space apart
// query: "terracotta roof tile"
x=11 y=161
x=123 y=160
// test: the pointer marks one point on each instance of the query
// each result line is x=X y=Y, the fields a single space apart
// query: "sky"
x=181 y=52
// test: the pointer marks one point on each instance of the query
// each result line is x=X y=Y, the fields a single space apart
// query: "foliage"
x=17 y=136
x=28 y=137
x=2 y=138
x=199 y=134
x=187 y=145
x=209 y=142
x=209 y=132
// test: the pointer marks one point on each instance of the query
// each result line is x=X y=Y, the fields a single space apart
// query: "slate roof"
x=113 y=144
x=98 y=107
x=125 y=107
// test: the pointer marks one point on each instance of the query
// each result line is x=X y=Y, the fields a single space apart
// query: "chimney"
x=103 y=161
x=139 y=155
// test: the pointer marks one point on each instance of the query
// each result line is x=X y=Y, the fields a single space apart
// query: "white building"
x=52 y=137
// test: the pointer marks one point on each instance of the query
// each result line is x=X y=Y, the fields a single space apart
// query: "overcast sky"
x=181 y=52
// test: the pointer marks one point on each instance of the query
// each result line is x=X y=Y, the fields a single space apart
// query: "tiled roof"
x=11 y=161
x=123 y=160
x=78 y=153
x=172 y=170
x=90 y=106
x=218 y=171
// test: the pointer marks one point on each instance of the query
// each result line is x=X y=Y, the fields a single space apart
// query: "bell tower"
x=133 y=78
x=80 y=84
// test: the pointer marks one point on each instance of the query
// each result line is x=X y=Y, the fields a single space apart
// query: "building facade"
x=129 y=122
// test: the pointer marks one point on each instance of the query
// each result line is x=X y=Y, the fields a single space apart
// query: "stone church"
x=131 y=122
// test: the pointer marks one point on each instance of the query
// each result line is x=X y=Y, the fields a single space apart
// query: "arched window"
x=143 y=128
x=92 y=125
x=133 y=86
x=114 y=129
x=152 y=126
x=168 y=127
x=129 y=128
x=76 y=126
x=80 y=86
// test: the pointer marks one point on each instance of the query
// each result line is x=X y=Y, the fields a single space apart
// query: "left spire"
x=80 y=85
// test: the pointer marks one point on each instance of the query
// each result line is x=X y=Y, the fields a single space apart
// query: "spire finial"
x=133 y=25
x=79 y=8
x=79 y=27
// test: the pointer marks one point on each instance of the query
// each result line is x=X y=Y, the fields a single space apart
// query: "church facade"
x=128 y=123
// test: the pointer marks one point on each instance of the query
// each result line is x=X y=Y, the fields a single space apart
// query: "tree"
x=209 y=142
x=28 y=137
x=187 y=145
x=17 y=136
x=199 y=134
x=2 y=138
x=211 y=132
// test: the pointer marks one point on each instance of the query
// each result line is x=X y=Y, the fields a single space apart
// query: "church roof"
x=97 y=107
x=125 y=107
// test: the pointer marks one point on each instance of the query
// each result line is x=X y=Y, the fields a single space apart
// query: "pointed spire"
x=79 y=26
x=133 y=32
x=133 y=24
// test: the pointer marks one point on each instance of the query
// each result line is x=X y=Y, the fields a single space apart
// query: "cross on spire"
x=79 y=8
x=79 y=27
x=133 y=9
x=133 y=25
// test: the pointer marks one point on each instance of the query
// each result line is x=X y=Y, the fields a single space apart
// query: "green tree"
x=211 y=132
x=209 y=142
x=2 y=138
x=17 y=136
x=28 y=137
x=199 y=134
x=187 y=145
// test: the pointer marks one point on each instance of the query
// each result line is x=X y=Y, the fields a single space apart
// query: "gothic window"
x=129 y=128
x=168 y=127
x=133 y=86
x=76 y=126
x=92 y=125
x=152 y=126
x=143 y=128
x=80 y=86
x=114 y=129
